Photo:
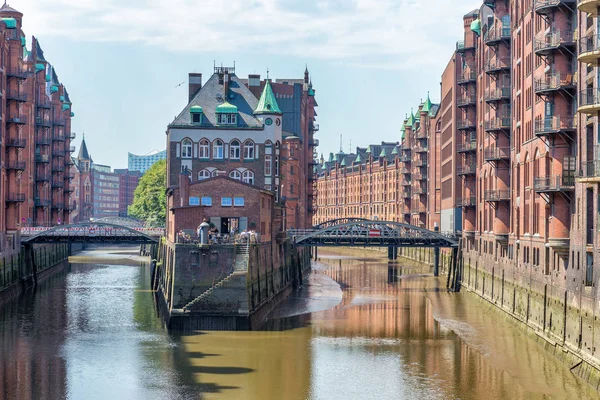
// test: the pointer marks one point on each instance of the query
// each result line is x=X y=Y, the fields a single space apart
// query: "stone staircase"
x=242 y=255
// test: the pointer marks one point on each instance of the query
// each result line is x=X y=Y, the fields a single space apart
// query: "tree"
x=150 y=198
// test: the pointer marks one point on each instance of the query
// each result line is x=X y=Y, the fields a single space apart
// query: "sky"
x=124 y=61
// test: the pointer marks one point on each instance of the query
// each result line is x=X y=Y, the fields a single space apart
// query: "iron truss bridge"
x=92 y=233
x=371 y=233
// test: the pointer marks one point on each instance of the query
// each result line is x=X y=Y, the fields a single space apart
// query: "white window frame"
x=186 y=148
x=204 y=149
x=204 y=174
x=235 y=174
x=268 y=165
x=248 y=150
x=235 y=150
x=248 y=177
x=218 y=149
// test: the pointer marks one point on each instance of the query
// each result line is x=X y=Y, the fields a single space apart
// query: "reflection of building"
x=143 y=163
x=97 y=191
x=35 y=143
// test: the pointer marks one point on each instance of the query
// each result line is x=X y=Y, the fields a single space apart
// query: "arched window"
x=204 y=149
x=234 y=150
x=248 y=177
x=218 y=149
x=215 y=172
x=203 y=174
x=235 y=174
x=248 y=150
x=186 y=148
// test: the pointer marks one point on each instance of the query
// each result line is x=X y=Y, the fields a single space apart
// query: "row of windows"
x=246 y=176
x=236 y=150
x=225 y=201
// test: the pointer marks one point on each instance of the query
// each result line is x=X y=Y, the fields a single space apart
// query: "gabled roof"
x=6 y=9
x=39 y=53
x=83 y=151
x=267 y=104
x=212 y=95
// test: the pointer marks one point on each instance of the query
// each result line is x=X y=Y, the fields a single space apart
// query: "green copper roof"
x=368 y=149
x=39 y=67
x=324 y=167
x=383 y=153
x=411 y=119
x=23 y=41
x=227 y=108
x=62 y=98
x=476 y=27
x=72 y=114
x=48 y=78
x=343 y=164
x=65 y=107
x=331 y=158
x=395 y=151
x=267 y=104
x=311 y=92
x=53 y=89
x=11 y=23
x=196 y=109
x=358 y=159
x=427 y=105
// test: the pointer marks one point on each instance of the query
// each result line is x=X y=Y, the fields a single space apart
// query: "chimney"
x=184 y=188
x=195 y=84
x=226 y=85
x=254 y=84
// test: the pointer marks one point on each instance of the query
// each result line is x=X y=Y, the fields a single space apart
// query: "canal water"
x=360 y=328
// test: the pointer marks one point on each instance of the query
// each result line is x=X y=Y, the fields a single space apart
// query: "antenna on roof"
x=341 y=150
x=267 y=73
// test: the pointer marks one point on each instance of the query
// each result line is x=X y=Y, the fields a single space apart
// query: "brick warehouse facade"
x=516 y=161
x=258 y=132
x=36 y=134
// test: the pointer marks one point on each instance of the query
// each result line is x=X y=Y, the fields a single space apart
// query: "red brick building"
x=36 y=133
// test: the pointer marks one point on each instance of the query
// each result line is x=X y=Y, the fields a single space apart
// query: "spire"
x=411 y=119
x=267 y=103
x=306 y=75
x=383 y=152
x=427 y=105
x=358 y=159
x=83 y=151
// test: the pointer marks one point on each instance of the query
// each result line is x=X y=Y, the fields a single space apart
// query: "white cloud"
x=389 y=33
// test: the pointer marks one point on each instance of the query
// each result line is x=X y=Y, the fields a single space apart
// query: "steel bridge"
x=91 y=233
x=362 y=232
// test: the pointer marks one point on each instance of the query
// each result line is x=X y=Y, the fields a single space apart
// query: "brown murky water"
x=361 y=328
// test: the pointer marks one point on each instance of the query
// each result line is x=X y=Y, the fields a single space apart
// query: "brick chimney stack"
x=195 y=84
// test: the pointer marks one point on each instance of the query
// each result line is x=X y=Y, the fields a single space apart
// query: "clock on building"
x=268 y=121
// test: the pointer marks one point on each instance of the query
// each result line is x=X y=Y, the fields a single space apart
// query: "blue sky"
x=370 y=60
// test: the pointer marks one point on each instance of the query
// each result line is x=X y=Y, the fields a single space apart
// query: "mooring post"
x=316 y=254
x=455 y=269
x=436 y=254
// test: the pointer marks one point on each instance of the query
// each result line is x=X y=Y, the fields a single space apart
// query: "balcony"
x=554 y=82
x=557 y=183
x=59 y=152
x=589 y=6
x=42 y=122
x=59 y=137
x=545 y=7
x=68 y=189
x=16 y=165
x=547 y=43
x=466 y=170
x=19 y=120
x=405 y=159
x=590 y=172
x=589 y=49
x=496 y=154
x=313 y=142
x=406 y=183
x=58 y=183
x=555 y=125
x=43 y=141
x=39 y=202
x=421 y=149
x=419 y=190
x=497 y=35
x=589 y=101
x=465 y=124
x=314 y=127
x=405 y=171
x=419 y=210
x=467 y=77
x=59 y=122
x=406 y=194
x=44 y=104
x=466 y=147
x=17 y=143
x=466 y=202
x=422 y=134
x=44 y=177
x=421 y=163
x=497 y=124
x=498 y=64
x=461 y=46
x=42 y=158
x=494 y=196
x=419 y=177
x=15 y=95
x=466 y=100
x=498 y=94
x=16 y=72
x=15 y=198
x=58 y=168
x=72 y=135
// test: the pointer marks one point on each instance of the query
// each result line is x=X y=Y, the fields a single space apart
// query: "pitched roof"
x=267 y=104
x=7 y=8
x=212 y=95
x=39 y=53
x=427 y=105
x=83 y=151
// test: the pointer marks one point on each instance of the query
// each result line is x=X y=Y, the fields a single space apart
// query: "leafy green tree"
x=150 y=198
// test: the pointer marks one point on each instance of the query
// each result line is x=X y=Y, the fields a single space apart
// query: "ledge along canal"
x=360 y=328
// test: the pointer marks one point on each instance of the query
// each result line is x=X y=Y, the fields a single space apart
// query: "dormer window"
x=226 y=114
x=196 y=114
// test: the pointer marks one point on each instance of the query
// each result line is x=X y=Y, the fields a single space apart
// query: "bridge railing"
x=87 y=231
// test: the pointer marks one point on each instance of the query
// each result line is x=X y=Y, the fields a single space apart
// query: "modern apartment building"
x=36 y=133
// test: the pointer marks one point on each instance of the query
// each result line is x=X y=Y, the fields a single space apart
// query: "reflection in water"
x=360 y=328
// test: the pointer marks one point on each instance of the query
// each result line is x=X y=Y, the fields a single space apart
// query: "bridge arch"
x=374 y=233
x=92 y=232
x=338 y=221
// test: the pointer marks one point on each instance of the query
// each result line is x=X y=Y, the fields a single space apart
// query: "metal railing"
x=466 y=201
x=589 y=97
x=554 y=183
x=466 y=169
x=591 y=169
x=553 y=82
x=496 y=153
x=39 y=202
x=465 y=147
x=16 y=95
x=42 y=122
x=42 y=158
x=15 y=198
x=44 y=141
x=466 y=100
x=468 y=76
x=554 y=124
x=465 y=124
x=16 y=142
x=497 y=195
x=589 y=44
x=18 y=119
x=45 y=177
x=496 y=34
x=16 y=165
x=59 y=137
x=497 y=64
x=541 y=4
x=59 y=121
x=499 y=93
x=16 y=72
x=421 y=163
x=553 y=40
x=497 y=124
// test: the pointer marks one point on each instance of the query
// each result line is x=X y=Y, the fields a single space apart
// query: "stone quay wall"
x=225 y=287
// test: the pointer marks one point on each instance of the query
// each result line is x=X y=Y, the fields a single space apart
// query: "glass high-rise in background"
x=143 y=163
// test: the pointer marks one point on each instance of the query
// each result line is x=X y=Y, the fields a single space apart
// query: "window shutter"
x=178 y=150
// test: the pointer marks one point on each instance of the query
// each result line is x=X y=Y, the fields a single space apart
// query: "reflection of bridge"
x=92 y=233
x=361 y=232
